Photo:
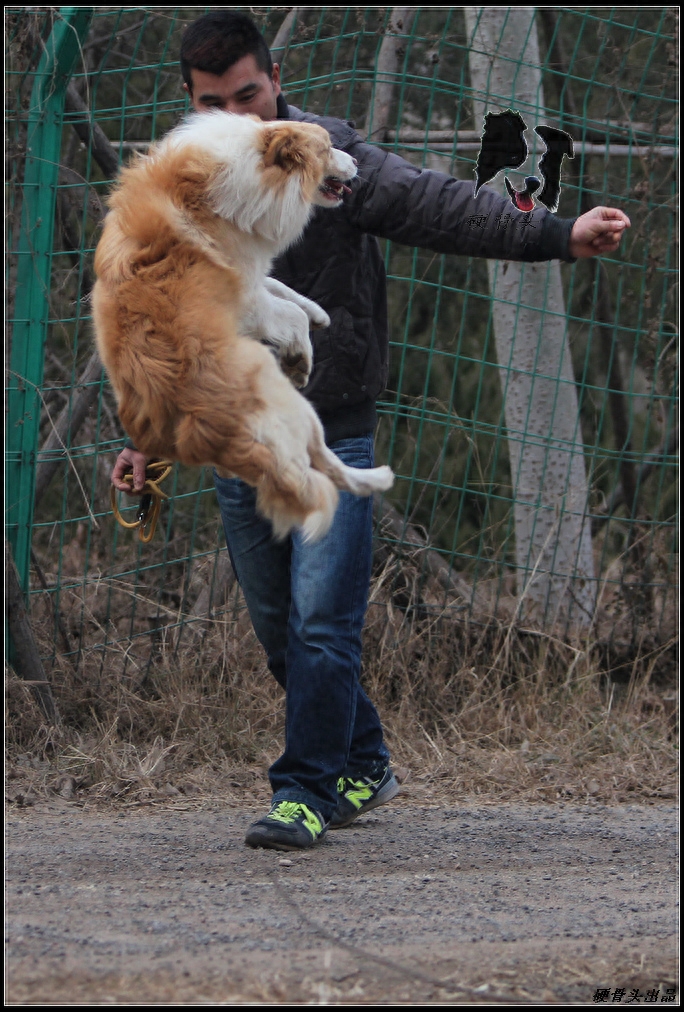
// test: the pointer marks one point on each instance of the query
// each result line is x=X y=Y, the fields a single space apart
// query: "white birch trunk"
x=386 y=67
x=555 y=581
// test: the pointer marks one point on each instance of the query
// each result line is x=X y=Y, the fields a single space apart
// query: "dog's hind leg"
x=307 y=501
x=289 y=494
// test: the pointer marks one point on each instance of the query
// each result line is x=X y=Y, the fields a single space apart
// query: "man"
x=307 y=602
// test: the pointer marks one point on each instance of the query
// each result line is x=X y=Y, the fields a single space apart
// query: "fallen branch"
x=213 y=593
x=24 y=655
x=281 y=42
x=70 y=419
x=406 y=534
x=91 y=133
x=648 y=466
x=217 y=587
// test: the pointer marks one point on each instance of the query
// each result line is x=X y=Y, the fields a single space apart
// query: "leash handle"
x=150 y=503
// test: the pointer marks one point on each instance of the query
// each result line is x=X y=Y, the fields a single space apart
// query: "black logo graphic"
x=504 y=147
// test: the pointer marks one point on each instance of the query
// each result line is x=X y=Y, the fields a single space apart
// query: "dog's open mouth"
x=334 y=188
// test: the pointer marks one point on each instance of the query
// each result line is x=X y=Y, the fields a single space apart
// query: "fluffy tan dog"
x=183 y=301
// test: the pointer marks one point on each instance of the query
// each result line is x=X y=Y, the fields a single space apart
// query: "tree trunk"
x=386 y=67
x=555 y=584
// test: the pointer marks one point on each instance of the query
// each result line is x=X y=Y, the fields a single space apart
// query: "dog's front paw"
x=318 y=318
x=297 y=368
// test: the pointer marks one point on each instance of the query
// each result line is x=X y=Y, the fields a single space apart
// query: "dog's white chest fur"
x=271 y=209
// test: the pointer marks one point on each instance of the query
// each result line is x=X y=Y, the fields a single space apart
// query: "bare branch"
x=281 y=43
x=92 y=134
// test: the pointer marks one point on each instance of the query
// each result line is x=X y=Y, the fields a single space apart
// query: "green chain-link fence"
x=536 y=477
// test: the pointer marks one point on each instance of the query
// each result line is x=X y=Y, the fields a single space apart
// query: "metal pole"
x=34 y=263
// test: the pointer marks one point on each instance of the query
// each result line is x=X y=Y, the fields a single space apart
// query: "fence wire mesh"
x=607 y=76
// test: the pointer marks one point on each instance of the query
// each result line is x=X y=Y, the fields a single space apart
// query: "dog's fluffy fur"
x=183 y=303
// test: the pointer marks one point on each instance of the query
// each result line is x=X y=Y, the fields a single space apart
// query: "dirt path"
x=466 y=905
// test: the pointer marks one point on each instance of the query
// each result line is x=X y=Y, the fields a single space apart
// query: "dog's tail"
x=312 y=506
x=309 y=502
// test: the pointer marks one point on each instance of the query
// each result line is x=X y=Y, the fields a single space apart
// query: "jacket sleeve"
x=392 y=199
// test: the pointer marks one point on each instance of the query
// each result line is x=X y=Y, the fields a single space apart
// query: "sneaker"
x=288 y=826
x=358 y=795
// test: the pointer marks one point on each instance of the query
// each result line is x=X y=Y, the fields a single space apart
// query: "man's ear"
x=283 y=149
x=275 y=78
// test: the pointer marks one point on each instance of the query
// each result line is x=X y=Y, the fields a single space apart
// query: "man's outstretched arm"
x=394 y=199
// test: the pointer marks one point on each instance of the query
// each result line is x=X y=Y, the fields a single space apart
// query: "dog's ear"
x=285 y=149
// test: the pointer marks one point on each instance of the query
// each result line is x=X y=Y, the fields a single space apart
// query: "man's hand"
x=130 y=460
x=598 y=231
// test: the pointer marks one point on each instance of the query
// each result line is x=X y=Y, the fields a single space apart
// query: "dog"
x=187 y=319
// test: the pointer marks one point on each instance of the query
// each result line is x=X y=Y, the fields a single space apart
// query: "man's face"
x=242 y=89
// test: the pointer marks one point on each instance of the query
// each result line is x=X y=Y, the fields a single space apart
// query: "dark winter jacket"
x=338 y=263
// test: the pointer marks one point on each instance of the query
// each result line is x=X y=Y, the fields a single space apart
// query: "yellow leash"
x=150 y=503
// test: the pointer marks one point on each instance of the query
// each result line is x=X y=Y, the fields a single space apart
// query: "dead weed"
x=490 y=710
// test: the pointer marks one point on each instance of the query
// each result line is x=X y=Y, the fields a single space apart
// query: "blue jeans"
x=307 y=603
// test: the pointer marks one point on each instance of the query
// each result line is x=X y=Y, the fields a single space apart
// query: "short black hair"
x=218 y=40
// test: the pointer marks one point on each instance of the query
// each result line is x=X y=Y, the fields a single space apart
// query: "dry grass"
x=491 y=710
x=501 y=711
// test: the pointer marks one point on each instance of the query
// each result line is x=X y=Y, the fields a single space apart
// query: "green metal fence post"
x=33 y=275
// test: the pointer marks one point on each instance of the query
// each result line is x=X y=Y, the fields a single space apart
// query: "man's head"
x=226 y=64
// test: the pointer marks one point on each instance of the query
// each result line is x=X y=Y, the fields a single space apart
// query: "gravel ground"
x=476 y=904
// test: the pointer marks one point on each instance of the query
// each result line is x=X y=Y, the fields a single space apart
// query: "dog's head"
x=304 y=151
x=269 y=175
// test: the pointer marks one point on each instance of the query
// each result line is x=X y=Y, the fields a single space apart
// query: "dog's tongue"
x=336 y=185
